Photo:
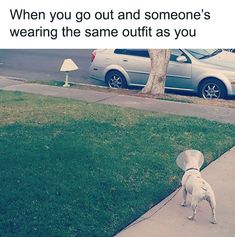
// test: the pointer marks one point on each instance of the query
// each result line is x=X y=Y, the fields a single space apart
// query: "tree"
x=159 y=63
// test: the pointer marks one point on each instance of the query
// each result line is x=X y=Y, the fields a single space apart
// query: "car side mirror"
x=181 y=59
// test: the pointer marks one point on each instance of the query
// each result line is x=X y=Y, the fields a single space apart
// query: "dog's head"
x=190 y=159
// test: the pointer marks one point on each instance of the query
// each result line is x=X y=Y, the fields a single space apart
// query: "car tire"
x=115 y=79
x=212 y=89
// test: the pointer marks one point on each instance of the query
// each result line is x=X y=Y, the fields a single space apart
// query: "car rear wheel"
x=115 y=79
x=212 y=89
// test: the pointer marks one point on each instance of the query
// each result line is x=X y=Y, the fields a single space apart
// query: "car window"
x=144 y=53
x=120 y=51
x=133 y=52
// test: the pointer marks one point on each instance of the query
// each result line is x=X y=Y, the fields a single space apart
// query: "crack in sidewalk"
x=106 y=98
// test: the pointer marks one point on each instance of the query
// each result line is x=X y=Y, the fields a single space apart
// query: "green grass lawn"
x=70 y=168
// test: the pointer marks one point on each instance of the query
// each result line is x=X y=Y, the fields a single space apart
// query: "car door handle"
x=125 y=60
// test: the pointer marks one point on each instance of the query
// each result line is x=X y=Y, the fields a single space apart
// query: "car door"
x=179 y=73
x=136 y=63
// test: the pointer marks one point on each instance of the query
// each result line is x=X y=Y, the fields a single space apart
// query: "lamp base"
x=66 y=85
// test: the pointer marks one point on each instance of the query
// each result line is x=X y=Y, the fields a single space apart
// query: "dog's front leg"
x=184 y=191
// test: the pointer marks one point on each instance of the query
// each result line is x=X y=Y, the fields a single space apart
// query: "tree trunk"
x=159 y=63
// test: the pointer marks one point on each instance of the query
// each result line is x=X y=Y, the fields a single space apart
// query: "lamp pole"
x=66 y=84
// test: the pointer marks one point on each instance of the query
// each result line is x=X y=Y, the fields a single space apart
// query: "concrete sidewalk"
x=220 y=114
x=169 y=219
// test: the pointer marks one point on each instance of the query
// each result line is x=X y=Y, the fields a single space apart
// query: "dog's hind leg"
x=194 y=204
x=212 y=203
x=184 y=191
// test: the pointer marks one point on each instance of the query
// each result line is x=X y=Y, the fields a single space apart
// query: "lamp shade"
x=68 y=65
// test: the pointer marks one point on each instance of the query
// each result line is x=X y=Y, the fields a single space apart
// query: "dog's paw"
x=191 y=218
x=213 y=221
x=183 y=204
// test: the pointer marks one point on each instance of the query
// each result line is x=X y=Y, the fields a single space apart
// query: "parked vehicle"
x=208 y=72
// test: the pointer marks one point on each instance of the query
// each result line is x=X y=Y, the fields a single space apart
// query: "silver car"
x=208 y=72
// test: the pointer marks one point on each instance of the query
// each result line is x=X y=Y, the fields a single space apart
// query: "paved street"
x=44 y=64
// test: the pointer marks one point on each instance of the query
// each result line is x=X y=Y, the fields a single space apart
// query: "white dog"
x=192 y=182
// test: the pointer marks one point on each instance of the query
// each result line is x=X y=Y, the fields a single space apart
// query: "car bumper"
x=96 y=73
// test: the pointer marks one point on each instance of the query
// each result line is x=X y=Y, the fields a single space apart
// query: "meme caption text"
x=105 y=24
